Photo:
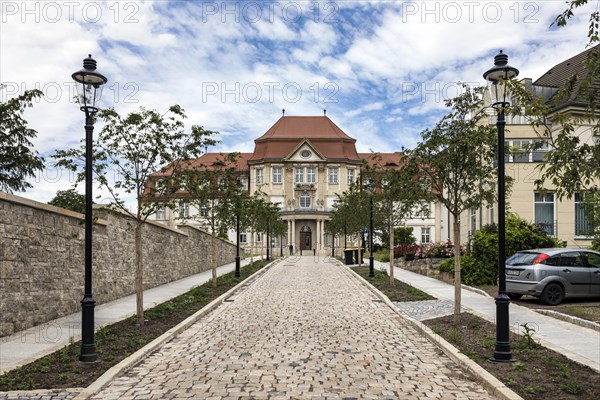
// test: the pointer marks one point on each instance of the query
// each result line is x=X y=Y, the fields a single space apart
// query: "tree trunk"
x=457 y=279
x=139 y=280
x=392 y=280
x=213 y=257
x=251 y=246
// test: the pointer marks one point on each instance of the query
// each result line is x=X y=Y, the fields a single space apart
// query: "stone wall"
x=424 y=266
x=42 y=266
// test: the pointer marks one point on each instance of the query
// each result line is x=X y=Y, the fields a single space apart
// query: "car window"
x=572 y=259
x=522 y=259
x=593 y=259
x=553 y=261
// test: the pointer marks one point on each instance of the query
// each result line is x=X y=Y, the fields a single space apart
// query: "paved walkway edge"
x=139 y=355
x=490 y=382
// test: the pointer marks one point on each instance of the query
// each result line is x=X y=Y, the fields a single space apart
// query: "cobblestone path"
x=427 y=309
x=304 y=330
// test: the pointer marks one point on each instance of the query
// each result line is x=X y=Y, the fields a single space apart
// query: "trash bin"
x=348 y=256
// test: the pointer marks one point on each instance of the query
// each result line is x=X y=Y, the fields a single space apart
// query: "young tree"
x=138 y=155
x=398 y=194
x=212 y=189
x=457 y=158
x=18 y=160
x=69 y=199
x=350 y=213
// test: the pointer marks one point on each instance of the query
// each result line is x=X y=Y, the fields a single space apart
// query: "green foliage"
x=520 y=235
x=459 y=153
x=69 y=199
x=18 y=160
x=481 y=266
x=473 y=272
x=528 y=339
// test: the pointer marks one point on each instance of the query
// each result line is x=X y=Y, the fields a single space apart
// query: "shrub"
x=473 y=272
x=427 y=250
x=520 y=235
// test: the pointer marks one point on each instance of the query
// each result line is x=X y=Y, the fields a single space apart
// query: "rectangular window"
x=305 y=200
x=161 y=214
x=519 y=153
x=350 y=176
x=244 y=182
x=299 y=175
x=259 y=177
x=473 y=226
x=311 y=175
x=259 y=237
x=491 y=215
x=544 y=212
x=540 y=148
x=583 y=227
x=425 y=235
x=243 y=237
x=204 y=210
x=333 y=175
x=184 y=210
x=277 y=174
x=526 y=150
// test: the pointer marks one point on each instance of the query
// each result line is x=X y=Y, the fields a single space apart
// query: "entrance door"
x=305 y=238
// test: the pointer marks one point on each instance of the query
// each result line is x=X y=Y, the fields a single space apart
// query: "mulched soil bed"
x=116 y=342
x=396 y=291
x=537 y=373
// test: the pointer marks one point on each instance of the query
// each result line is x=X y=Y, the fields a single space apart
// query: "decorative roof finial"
x=324 y=112
x=283 y=112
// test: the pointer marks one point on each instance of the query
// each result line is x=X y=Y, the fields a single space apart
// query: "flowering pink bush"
x=427 y=250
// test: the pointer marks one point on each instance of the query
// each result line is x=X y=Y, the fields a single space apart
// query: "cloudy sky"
x=382 y=69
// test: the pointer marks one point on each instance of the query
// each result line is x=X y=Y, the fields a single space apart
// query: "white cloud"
x=381 y=69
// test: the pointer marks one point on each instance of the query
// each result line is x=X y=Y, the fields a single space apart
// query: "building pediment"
x=305 y=152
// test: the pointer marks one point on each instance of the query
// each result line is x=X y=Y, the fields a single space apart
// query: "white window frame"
x=333 y=175
x=260 y=178
x=544 y=201
x=578 y=202
x=426 y=234
x=299 y=175
x=243 y=237
x=184 y=210
x=161 y=214
x=351 y=177
x=277 y=174
x=530 y=156
x=305 y=200
x=311 y=175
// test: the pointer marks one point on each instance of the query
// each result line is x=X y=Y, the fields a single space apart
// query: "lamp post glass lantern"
x=89 y=87
x=496 y=78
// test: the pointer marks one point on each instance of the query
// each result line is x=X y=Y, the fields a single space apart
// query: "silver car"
x=553 y=274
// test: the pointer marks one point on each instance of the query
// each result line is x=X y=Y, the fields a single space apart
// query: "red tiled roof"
x=325 y=136
x=382 y=159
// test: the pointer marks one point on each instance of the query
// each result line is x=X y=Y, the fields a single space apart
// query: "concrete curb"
x=151 y=347
x=490 y=382
x=569 y=318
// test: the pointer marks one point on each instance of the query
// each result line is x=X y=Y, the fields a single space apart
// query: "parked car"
x=553 y=274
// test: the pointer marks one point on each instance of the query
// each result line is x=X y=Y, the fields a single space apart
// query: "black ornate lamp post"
x=237 y=230
x=89 y=90
x=495 y=77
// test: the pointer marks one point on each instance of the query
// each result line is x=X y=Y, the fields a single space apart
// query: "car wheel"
x=552 y=295
x=515 y=296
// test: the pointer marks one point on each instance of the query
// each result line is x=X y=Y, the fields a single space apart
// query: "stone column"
x=318 y=235
x=294 y=236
